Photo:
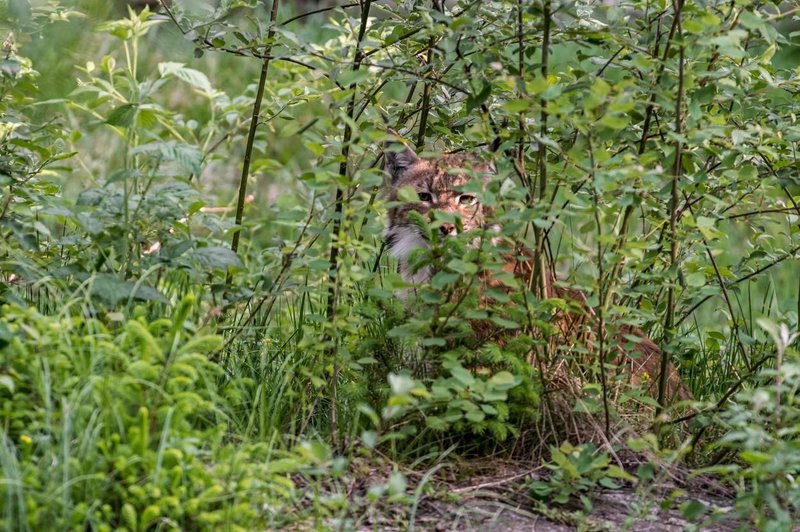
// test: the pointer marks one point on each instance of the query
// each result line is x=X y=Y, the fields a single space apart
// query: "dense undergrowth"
x=200 y=328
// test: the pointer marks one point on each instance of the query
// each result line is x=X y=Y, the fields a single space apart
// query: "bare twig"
x=669 y=319
x=248 y=152
x=317 y=11
x=601 y=333
x=786 y=13
x=426 y=91
x=279 y=281
x=540 y=271
x=494 y=483
x=763 y=211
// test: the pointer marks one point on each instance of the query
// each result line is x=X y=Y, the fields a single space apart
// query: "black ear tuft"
x=398 y=156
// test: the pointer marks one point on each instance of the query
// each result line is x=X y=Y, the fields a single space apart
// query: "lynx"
x=437 y=189
x=437 y=182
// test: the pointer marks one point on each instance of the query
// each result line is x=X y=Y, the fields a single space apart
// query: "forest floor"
x=505 y=504
x=493 y=496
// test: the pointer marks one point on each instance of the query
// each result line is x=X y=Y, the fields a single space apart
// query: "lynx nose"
x=447 y=229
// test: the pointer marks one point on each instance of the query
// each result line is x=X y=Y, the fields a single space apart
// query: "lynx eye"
x=466 y=199
x=424 y=196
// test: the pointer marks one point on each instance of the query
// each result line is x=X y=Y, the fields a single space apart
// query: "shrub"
x=123 y=427
x=762 y=426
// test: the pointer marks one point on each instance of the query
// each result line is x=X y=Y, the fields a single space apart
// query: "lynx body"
x=438 y=184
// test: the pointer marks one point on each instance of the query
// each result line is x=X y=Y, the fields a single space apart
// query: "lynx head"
x=437 y=182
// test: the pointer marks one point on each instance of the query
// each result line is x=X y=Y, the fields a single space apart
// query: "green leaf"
x=283 y=465
x=517 y=105
x=431 y=342
x=397 y=484
x=476 y=416
x=597 y=93
x=748 y=171
x=187 y=156
x=203 y=345
x=751 y=20
x=504 y=323
x=193 y=77
x=216 y=258
x=696 y=279
x=436 y=423
x=462 y=375
x=407 y=194
x=123 y=115
x=123 y=175
x=706 y=227
x=462 y=266
x=615 y=121
x=476 y=100
x=756 y=457
x=7 y=382
x=400 y=384
x=618 y=472
x=541 y=489
x=608 y=483
x=369 y=438
x=444 y=279
x=112 y=290
x=5 y=335
x=504 y=380
x=353 y=77
x=693 y=510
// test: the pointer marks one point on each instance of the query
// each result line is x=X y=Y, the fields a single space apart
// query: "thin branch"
x=622 y=235
x=248 y=152
x=242 y=52
x=669 y=319
x=426 y=91
x=764 y=211
x=600 y=290
x=727 y=395
x=395 y=68
x=317 y=11
x=791 y=253
x=786 y=13
x=539 y=270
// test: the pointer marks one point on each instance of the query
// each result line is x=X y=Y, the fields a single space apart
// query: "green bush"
x=577 y=471
x=762 y=426
x=122 y=427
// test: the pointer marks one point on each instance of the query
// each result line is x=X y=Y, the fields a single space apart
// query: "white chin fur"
x=404 y=240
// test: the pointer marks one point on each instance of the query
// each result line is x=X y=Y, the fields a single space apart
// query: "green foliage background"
x=152 y=377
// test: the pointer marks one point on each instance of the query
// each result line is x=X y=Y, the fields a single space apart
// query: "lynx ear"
x=398 y=156
x=484 y=164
